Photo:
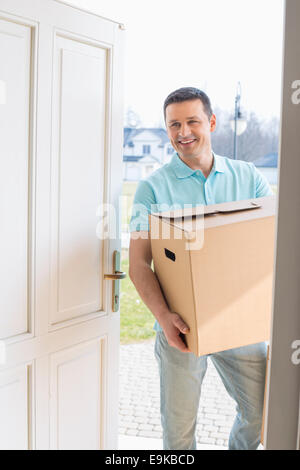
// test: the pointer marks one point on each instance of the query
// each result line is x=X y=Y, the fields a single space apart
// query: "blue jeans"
x=242 y=371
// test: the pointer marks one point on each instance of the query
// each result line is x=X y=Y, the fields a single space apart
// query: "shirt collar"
x=218 y=165
x=182 y=170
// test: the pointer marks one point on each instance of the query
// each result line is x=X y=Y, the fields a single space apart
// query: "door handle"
x=116 y=276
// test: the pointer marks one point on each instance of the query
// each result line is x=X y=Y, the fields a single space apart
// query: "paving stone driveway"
x=139 y=399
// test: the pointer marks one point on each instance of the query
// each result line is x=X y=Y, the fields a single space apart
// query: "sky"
x=209 y=44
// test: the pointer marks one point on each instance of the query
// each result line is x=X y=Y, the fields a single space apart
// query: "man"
x=196 y=176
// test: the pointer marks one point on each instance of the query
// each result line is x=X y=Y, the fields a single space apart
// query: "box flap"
x=222 y=208
x=216 y=215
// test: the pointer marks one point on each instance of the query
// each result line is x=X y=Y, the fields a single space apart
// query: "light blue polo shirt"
x=177 y=185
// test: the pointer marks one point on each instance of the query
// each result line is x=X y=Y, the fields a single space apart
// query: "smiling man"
x=195 y=176
x=189 y=127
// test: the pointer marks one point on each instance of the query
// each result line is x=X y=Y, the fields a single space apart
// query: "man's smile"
x=186 y=142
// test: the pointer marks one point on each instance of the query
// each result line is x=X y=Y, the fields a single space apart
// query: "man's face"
x=189 y=128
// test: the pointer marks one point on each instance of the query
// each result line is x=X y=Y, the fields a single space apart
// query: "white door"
x=61 y=126
x=282 y=430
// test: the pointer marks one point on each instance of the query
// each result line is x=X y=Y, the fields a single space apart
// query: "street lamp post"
x=238 y=124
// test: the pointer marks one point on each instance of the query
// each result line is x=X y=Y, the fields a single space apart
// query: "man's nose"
x=185 y=130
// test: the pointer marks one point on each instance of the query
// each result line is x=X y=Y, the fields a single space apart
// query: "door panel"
x=15 y=59
x=76 y=381
x=79 y=122
x=15 y=417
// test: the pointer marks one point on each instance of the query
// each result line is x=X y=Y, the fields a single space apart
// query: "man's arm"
x=263 y=188
x=147 y=285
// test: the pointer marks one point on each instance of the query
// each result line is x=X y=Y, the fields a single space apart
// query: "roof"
x=268 y=161
x=132 y=158
x=144 y=158
x=130 y=133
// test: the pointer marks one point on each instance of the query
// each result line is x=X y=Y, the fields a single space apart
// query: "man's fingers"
x=179 y=342
x=183 y=339
x=181 y=345
x=181 y=325
x=175 y=331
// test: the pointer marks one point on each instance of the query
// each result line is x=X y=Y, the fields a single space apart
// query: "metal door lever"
x=115 y=277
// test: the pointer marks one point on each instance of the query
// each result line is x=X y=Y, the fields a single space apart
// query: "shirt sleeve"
x=144 y=202
x=262 y=185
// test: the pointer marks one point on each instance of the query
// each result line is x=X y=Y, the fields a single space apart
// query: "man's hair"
x=189 y=94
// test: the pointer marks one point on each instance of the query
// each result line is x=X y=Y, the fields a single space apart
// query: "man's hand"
x=173 y=327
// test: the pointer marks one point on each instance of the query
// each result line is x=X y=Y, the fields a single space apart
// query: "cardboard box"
x=222 y=290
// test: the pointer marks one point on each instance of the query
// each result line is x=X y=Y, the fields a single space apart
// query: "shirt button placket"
x=207 y=193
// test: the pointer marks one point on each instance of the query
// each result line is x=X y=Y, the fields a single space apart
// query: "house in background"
x=147 y=149
x=268 y=166
x=144 y=151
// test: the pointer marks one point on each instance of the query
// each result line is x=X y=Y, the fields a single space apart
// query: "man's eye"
x=192 y=122
x=175 y=124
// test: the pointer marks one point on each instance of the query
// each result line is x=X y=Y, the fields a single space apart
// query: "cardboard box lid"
x=219 y=214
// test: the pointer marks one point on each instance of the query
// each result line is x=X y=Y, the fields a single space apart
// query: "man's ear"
x=213 y=123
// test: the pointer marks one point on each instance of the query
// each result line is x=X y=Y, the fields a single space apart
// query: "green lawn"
x=136 y=319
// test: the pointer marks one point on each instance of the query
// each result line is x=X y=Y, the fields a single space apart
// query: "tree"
x=259 y=138
x=222 y=137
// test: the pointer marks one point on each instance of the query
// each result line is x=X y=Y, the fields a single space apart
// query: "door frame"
x=283 y=382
